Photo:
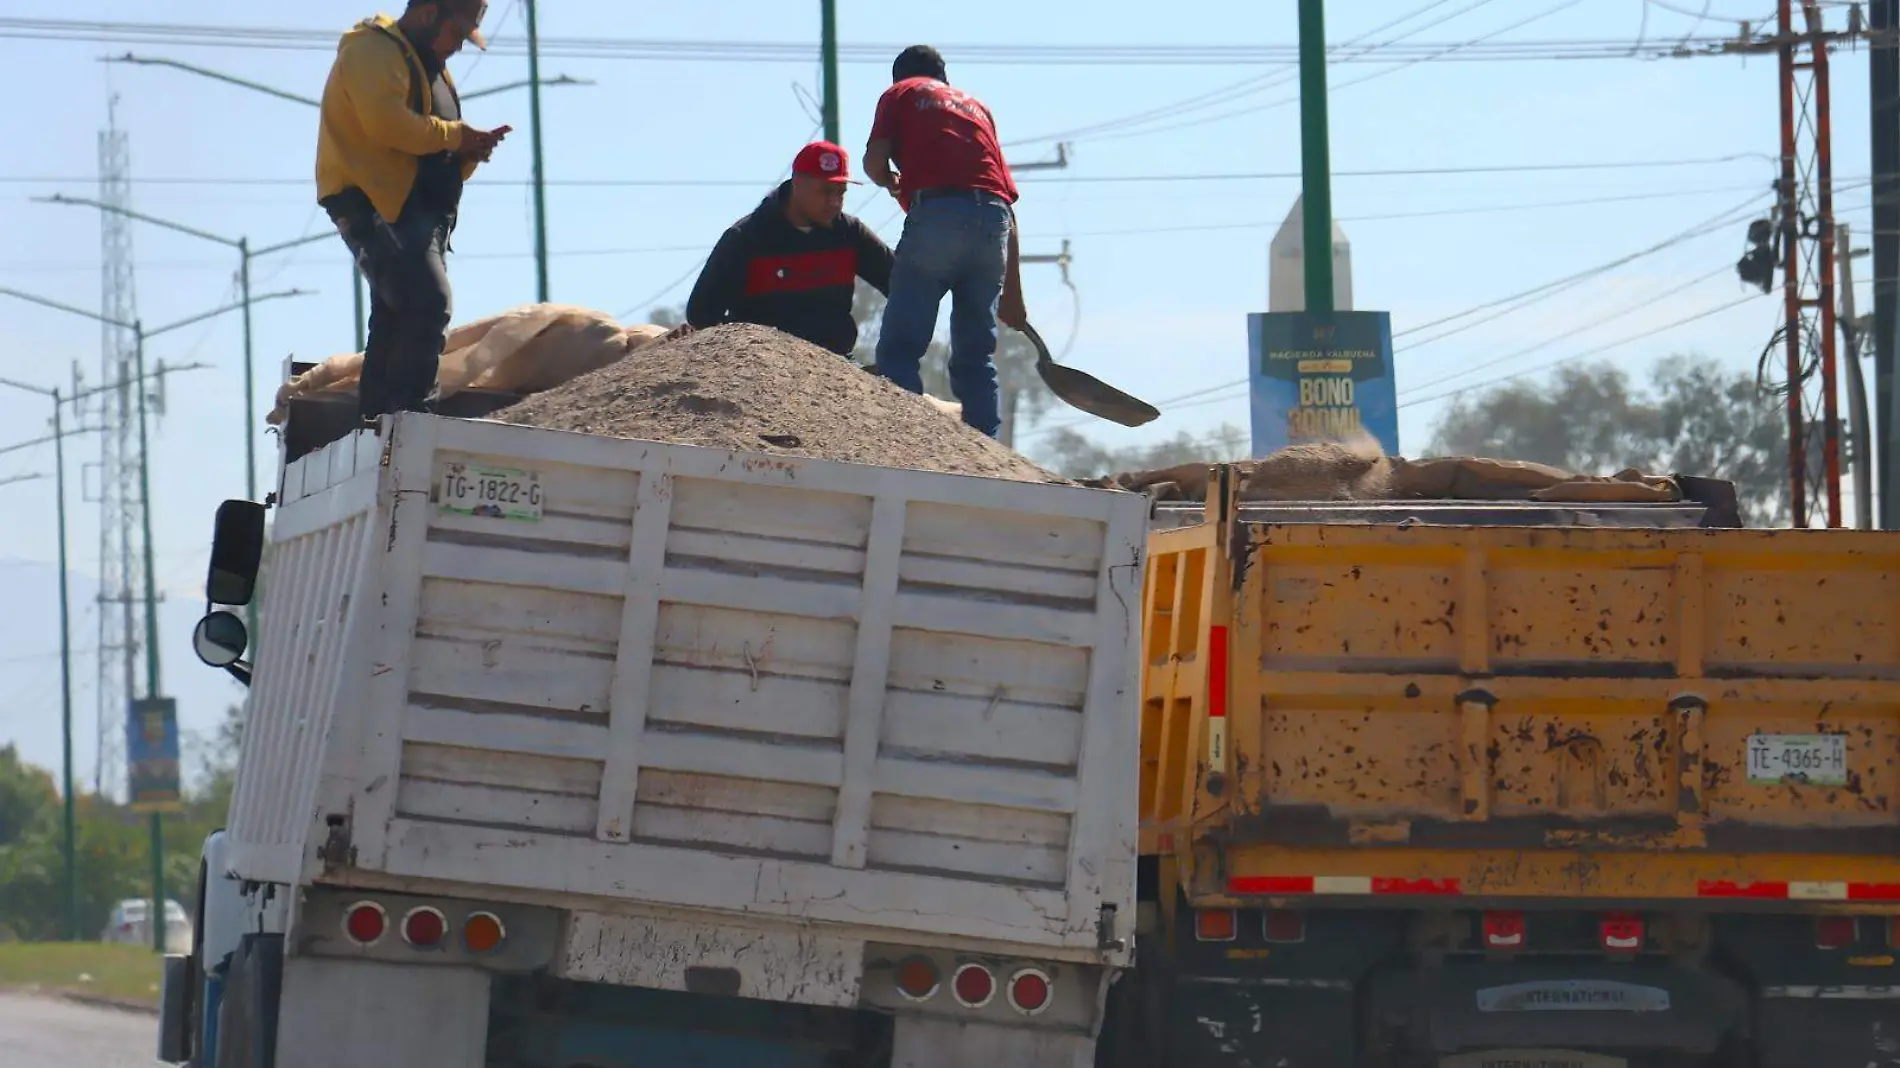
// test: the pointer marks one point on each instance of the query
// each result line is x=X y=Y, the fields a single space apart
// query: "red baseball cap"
x=823 y=160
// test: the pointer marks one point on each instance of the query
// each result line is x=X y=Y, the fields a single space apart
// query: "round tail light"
x=424 y=927
x=483 y=932
x=365 y=922
x=1029 y=991
x=917 y=979
x=974 y=986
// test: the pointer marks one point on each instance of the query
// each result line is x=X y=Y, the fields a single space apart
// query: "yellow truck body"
x=1524 y=713
x=1575 y=789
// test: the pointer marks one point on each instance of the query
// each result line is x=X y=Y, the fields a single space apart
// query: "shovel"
x=1078 y=389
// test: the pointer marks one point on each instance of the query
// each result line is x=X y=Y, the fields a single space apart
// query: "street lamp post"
x=245 y=255
x=70 y=835
x=1316 y=158
x=533 y=84
x=540 y=172
x=140 y=335
x=68 y=821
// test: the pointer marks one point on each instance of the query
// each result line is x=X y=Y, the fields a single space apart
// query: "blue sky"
x=1166 y=270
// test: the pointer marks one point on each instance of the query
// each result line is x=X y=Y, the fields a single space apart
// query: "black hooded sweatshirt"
x=764 y=270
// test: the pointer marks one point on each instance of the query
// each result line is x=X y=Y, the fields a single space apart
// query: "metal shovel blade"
x=1082 y=390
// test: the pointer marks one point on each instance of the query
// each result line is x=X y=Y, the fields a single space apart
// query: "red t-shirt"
x=941 y=138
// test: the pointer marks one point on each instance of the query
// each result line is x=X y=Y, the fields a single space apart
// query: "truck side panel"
x=318 y=567
x=770 y=685
x=1460 y=710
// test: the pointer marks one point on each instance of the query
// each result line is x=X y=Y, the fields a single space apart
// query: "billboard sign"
x=151 y=755
x=1321 y=377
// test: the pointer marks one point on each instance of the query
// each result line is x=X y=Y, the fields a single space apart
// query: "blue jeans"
x=956 y=244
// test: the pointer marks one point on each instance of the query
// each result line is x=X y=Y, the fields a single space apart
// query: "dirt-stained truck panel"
x=1565 y=712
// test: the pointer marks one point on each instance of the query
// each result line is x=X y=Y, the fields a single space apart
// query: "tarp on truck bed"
x=1359 y=472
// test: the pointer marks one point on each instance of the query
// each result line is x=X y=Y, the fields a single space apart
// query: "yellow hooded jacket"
x=372 y=132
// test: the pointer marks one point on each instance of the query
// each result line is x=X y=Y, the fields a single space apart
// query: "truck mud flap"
x=1828 y=1027
x=1262 y=1023
x=247 y=1018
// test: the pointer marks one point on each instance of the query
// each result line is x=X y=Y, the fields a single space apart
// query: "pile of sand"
x=754 y=389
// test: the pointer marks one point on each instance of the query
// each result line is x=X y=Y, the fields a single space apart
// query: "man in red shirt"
x=935 y=148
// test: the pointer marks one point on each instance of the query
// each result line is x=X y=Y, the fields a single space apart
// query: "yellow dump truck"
x=1494 y=786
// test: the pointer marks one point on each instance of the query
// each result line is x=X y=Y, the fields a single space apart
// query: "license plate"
x=1818 y=759
x=493 y=492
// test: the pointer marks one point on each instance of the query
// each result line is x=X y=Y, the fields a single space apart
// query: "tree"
x=114 y=858
x=28 y=797
x=1695 y=418
x=1072 y=455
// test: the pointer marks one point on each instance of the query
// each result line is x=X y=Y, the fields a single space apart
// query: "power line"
x=1243 y=87
x=1481 y=209
x=1653 y=299
x=1062 y=179
x=1440 y=52
x=1519 y=301
x=1510 y=304
x=257 y=38
x=1586 y=354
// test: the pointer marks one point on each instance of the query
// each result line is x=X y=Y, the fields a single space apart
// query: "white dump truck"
x=565 y=751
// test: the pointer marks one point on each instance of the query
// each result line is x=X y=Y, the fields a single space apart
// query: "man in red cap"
x=793 y=264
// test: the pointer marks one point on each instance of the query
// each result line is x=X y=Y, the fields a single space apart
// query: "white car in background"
x=129 y=925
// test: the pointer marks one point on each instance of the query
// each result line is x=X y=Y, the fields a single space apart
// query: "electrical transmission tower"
x=1798 y=243
x=1805 y=206
x=121 y=585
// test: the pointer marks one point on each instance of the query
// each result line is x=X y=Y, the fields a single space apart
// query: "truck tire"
x=247 y=1018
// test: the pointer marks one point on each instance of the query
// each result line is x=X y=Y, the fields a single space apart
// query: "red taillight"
x=1836 y=932
x=364 y=922
x=1215 y=925
x=1621 y=932
x=974 y=986
x=1503 y=930
x=483 y=932
x=1029 y=991
x=1284 y=925
x=424 y=927
x=917 y=979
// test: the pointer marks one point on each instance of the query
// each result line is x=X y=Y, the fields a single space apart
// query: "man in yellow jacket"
x=392 y=155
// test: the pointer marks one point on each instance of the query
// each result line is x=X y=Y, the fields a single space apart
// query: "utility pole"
x=828 y=13
x=151 y=634
x=68 y=822
x=534 y=83
x=1012 y=392
x=1861 y=441
x=540 y=170
x=1884 y=114
x=1316 y=158
x=1806 y=212
x=150 y=592
x=242 y=246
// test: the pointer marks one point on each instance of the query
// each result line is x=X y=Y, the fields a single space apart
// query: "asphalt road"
x=49 y=1031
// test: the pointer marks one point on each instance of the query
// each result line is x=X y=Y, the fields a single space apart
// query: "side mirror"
x=237 y=551
x=220 y=639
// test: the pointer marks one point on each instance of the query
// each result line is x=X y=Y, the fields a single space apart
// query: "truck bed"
x=1434 y=711
x=686 y=678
